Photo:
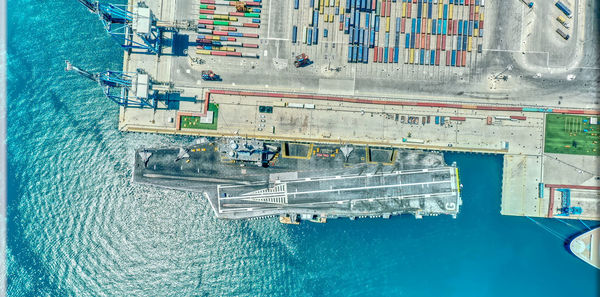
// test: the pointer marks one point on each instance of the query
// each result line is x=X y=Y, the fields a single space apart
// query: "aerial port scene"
x=302 y=147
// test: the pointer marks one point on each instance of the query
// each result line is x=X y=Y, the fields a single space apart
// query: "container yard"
x=398 y=74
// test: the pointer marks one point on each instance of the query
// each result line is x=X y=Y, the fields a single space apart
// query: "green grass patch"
x=568 y=134
x=193 y=122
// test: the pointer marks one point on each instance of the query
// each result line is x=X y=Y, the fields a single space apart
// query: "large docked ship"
x=587 y=247
x=248 y=178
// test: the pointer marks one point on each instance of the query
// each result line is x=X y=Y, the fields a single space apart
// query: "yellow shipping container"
x=387 y=24
x=321 y=4
x=475 y=32
x=450 y=11
x=469 y=43
x=403 y=9
x=337 y=3
x=429 y=26
x=203 y=52
x=441 y=10
x=476 y=9
x=481 y=16
x=411 y=58
x=424 y=14
x=331 y=17
x=321 y=9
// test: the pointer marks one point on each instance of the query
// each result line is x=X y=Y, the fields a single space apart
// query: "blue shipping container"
x=312 y=3
x=429 y=10
x=437 y=120
x=458 y=42
x=377 y=23
x=412 y=41
x=347 y=5
x=372 y=39
x=325 y=33
x=432 y=56
x=367 y=19
x=296 y=4
x=460 y=25
x=316 y=36
x=385 y=54
x=396 y=52
x=407 y=41
x=354 y=53
x=360 y=53
x=315 y=18
x=419 y=7
x=351 y=37
x=413 y=25
x=309 y=41
x=365 y=55
x=470 y=28
x=397 y=25
x=349 y=54
x=433 y=26
x=422 y=57
x=294 y=34
x=444 y=27
x=418 y=26
x=453 y=62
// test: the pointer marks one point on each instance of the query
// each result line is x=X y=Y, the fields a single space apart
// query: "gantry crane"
x=130 y=89
x=132 y=30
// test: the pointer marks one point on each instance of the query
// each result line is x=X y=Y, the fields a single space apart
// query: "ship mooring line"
x=567 y=223
x=555 y=233
x=584 y=224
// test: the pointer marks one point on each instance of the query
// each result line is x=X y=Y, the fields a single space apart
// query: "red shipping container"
x=455 y=26
x=437 y=58
x=235 y=54
x=251 y=25
x=218 y=53
x=389 y=7
x=205 y=22
x=206 y=11
x=522 y=118
x=424 y=26
x=391 y=55
x=373 y=4
x=458 y=58
x=480 y=25
x=417 y=41
x=476 y=16
x=383 y=6
x=240 y=14
x=450 y=27
x=458 y=118
x=341 y=26
x=380 y=54
x=375 y=52
x=402 y=25
x=448 y=58
x=423 y=41
x=438 y=44
x=464 y=58
x=427 y=46
x=408 y=10
x=443 y=42
x=466 y=2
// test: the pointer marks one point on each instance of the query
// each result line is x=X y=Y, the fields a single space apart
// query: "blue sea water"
x=77 y=226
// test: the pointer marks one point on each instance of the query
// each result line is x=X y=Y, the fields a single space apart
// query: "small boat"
x=587 y=247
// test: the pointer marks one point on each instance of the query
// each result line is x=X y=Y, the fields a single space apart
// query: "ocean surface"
x=77 y=226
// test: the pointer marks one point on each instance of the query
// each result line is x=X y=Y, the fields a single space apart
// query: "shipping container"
x=432 y=57
x=296 y=4
x=433 y=27
x=294 y=34
x=521 y=118
x=462 y=119
x=453 y=58
x=360 y=54
x=564 y=9
x=305 y=37
x=396 y=54
x=437 y=120
x=437 y=58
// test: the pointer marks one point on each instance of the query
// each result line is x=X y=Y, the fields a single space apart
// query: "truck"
x=564 y=9
x=562 y=21
x=563 y=34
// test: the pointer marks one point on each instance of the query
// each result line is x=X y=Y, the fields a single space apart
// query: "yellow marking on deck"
x=457 y=181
